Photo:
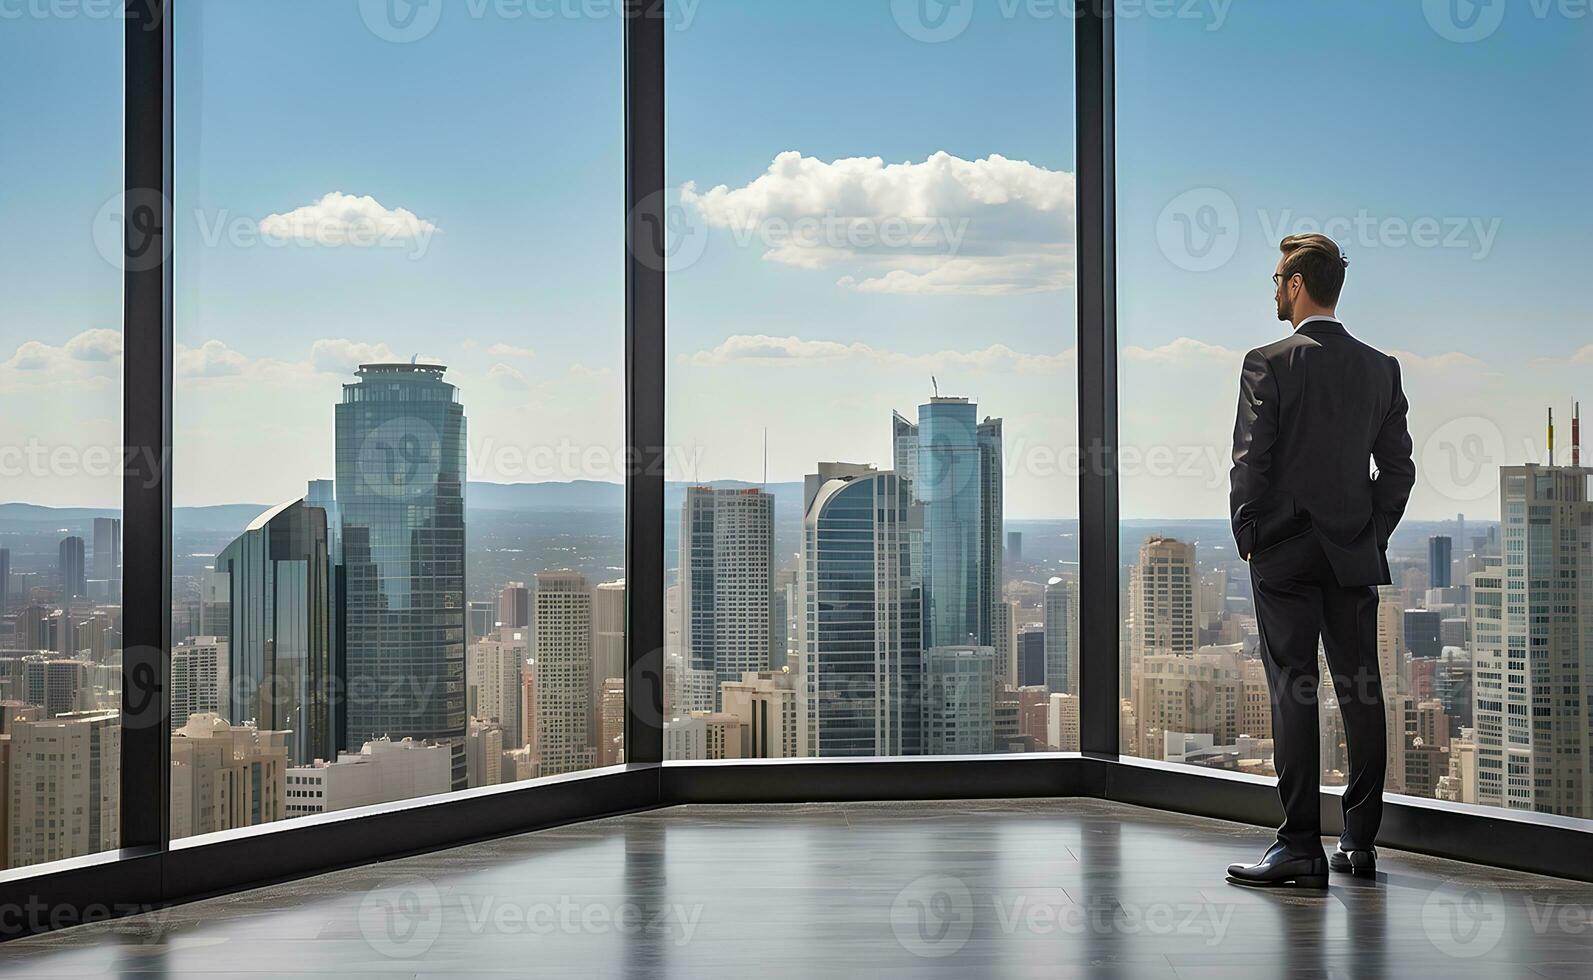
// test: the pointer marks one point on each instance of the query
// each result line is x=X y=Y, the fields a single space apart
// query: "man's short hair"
x=1319 y=261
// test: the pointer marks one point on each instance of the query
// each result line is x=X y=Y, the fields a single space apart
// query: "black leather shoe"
x=1281 y=869
x=1361 y=862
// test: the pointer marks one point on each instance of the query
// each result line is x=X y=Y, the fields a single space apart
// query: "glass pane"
x=399 y=410
x=61 y=419
x=871 y=393
x=1433 y=143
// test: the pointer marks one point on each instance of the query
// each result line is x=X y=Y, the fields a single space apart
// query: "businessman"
x=1316 y=410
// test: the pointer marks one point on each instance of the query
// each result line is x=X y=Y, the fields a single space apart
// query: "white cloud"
x=212 y=359
x=1185 y=351
x=757 y=349
x=91 y=347
x=95 y=345
x=510 y=350
x=505 y=376
x=340 y=356
x=580 y=372
x=339 y=219
x=946 y=225
x=1447 y=362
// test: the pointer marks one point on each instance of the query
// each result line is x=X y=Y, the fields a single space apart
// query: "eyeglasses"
x=1277 y=278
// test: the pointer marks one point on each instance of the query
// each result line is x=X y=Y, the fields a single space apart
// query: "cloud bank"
x=339 y=219
x=946 y=225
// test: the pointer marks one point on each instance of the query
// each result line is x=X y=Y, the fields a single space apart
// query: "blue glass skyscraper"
x=861 y=622
x=280 y=664
x=400 y=494
x=950 y=488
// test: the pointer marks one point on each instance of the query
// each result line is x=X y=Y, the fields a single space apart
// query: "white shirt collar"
x=1313 y=319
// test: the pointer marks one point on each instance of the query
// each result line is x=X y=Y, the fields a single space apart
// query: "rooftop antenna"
x=414 y=359
x=1576 y=436
x=766 y=457
x=1551 y=437
x=935 y=384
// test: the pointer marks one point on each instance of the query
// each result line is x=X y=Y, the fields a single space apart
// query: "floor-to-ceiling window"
x=399 y=531
x=61 y=431
x=872 y=496
x=1444 y=147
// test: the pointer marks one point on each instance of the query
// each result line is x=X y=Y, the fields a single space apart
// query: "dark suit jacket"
x=1314 y=410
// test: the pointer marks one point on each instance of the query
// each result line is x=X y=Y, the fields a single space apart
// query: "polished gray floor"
x=1047 y=888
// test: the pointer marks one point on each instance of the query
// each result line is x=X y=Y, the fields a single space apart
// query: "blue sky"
x=491 y=153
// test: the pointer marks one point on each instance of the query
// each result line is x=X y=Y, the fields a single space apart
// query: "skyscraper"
x=1423 y=633
x=107 y=549
x=280 y=642
x=5 y=579
x=564 y=687
x=1161 y=601
x=1004 y=636
x=514 y=606
x=492 y=673
x=992 y=544
x=1439 y=555
x=958 y=700
x=400 y=491
x=73 y=762
x=860 y=644
x=959 y=486
x=608 y=646
x=727 y=581
x=74 y=581
x=1532 y=617
x=1061 y=631
x=199 y=679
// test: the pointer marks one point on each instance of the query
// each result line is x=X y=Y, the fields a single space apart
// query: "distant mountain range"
x=579 y=495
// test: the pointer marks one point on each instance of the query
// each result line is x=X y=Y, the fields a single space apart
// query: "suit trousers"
x=1298 y=601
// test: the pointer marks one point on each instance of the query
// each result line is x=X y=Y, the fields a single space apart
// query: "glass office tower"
x=861 y=627
x=400 y=492
x=950 y=488
x=279 y=661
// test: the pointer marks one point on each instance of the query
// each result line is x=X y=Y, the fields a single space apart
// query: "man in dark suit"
x=1315 y=410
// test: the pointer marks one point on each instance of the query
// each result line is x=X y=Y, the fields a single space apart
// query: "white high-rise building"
x=1004 y=637
x=492 y=678
x=608 y=645
x=727 y=580
x=382 y=771
x=1532 y=614
x=198 y=679
x=65 y=787
x=767 y=704
x=225 y=776
x=1161 y=604
x=564 y=687
x=1062 y=722
x=484 y=753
